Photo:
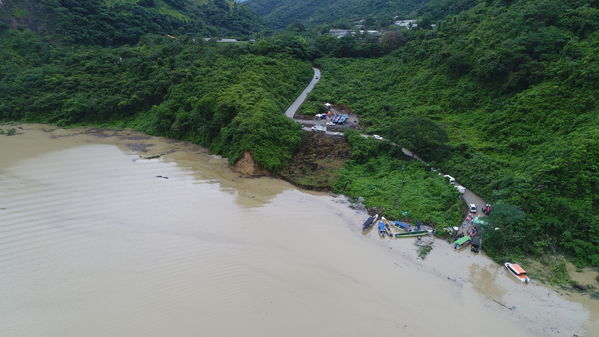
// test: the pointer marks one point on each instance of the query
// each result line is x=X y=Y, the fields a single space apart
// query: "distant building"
x=409 y=24
x=227 y=40
x=339 y=33
x=370 y=32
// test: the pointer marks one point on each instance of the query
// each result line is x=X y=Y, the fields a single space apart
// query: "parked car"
x=487 y=209
x=460 y=189
x=475 y=245
x=377 y=137
x=472 y=208
x=451 y=179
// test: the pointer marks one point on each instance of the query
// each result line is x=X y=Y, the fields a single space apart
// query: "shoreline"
x=135 y=135
x=408 y=254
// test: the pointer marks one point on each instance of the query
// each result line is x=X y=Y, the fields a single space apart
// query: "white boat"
x=517 y=271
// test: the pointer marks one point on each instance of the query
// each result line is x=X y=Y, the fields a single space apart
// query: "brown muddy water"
x=95 y=241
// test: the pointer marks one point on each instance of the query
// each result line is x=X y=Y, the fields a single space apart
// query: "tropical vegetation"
x=508 y=90
x=501 y=94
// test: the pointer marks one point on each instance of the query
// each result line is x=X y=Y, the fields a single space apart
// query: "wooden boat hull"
x=411 y=234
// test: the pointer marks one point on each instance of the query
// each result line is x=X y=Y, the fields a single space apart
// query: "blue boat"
x=368 y=223
x=382 y=229
x=402 y=225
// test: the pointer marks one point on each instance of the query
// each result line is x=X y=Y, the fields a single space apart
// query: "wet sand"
x=97 y=241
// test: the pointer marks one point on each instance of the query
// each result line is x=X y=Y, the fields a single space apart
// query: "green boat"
x=462 y=242
x=411 y=234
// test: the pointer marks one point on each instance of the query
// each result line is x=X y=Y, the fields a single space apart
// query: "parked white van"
x=451 y=179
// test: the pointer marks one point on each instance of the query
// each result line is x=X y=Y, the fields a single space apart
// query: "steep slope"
x=515 y=85
x=281 y=13
x=219 y=95
x=114 y=22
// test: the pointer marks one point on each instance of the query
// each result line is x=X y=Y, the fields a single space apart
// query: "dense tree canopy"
x=281 y=13
x=118 y=22
x=501 y=94
x=514 y=84
x=222 y=97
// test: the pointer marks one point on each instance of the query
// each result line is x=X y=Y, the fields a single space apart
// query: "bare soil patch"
x=317 y=164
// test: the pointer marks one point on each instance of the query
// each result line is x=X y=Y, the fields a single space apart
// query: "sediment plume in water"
x=98 y=241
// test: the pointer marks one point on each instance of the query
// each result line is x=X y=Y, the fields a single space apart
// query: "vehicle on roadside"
x=461 y=189
x=318 y=128
x=472 y=208
x=330 y=124
x=451 y=179
x=517 y=271
x=377 y=137
x=487 y=209
x=476 y=244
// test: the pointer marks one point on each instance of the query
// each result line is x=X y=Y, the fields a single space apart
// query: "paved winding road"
x=469 y=197
x=302 y=97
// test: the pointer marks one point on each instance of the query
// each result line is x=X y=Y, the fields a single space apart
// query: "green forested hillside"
x=281 y=13
x=220 y=96
x=515 y=84
x=501 y=94
x=115 y=22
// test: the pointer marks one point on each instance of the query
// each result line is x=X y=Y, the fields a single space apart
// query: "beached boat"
x=369 y=222
x=462 y=242
x=401 y=225
x=388 y=229
x=382 y=229
x=412 y=234
x=517 y=271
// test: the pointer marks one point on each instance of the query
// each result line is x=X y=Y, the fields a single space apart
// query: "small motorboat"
x=401 y=225
x=412 y=234
x=382 y=229
x=517 y=271
x=369 y=222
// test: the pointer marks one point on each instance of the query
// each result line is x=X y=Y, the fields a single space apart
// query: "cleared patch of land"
x=318 y=162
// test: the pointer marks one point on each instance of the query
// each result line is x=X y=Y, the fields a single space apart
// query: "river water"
x=96 y=241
